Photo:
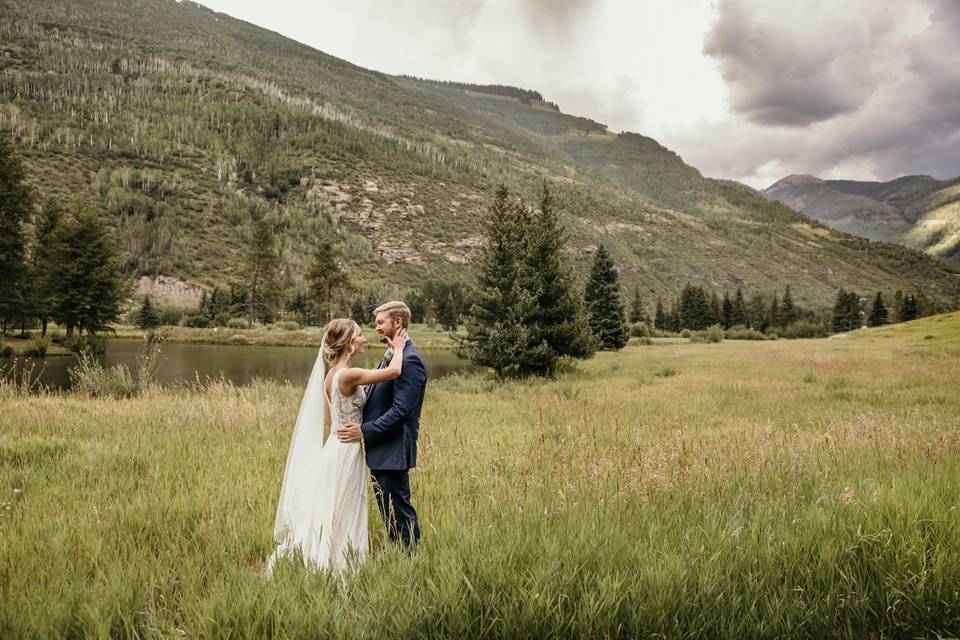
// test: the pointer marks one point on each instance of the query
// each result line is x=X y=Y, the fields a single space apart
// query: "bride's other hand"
x=399 y=341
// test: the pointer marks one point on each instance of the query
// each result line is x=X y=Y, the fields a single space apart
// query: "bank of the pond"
x=424 y=336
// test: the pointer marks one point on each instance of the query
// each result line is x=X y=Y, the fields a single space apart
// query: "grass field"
x=734 y=490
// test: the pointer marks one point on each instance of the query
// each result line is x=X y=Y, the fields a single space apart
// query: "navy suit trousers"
x=392 y=488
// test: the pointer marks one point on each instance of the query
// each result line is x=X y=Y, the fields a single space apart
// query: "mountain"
x=181 y=126
x=916 y=211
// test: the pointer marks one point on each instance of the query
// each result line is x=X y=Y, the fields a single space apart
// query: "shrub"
x=804 y=329
x=240 y=339
x=6 y=351
x=288 y=325
x=38 y=347
x=91 y=378
x=685 y=333
x=197 y=321
x=646 y=340
x=639 y=330
x=740 y=332
x=93 y=344
x=714 y=333
x=237 y=323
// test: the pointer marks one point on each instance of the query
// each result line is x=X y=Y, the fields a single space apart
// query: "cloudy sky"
x=751 y=90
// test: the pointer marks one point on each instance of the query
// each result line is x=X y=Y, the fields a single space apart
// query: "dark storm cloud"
x=783 y=73
x=862 y=88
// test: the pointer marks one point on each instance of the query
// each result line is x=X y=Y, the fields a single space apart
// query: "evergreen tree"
x=846 y=312
x=898 y=306
x=45 y=271
x=15 y=202
x=148 y=318
x=739 y=314
x=637 y=312
x=88 y=289
x=695 y=313
x=908 y=310
x=497 y=334
x=716 y=312
x=557 y=325
x=263 y=265
x=788 y=310
x=325 y=277
x=660 y=318
x=759 y=318
x=726 y=311
x=878 y=315
x=774 y=318
x=604 y=304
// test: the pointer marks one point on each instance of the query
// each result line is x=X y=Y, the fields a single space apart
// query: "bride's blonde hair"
x=338 y=337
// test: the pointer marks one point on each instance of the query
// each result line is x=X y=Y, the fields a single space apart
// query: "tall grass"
x=725 y=490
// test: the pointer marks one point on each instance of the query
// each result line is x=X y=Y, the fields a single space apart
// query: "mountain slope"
x=182 y=125
x=917 y=211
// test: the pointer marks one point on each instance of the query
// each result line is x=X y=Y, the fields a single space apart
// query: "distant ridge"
x=917 y=211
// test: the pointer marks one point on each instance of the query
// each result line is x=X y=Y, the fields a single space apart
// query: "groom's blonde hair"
x=397 y=311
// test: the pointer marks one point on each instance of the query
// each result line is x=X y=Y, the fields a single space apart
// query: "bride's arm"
x=356 y=376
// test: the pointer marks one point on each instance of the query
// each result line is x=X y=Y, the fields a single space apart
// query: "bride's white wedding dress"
x=323 y=502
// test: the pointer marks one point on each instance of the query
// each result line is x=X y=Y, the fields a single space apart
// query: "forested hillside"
x=183 y=127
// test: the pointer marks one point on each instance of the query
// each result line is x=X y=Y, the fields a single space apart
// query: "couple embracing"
x=373 y=416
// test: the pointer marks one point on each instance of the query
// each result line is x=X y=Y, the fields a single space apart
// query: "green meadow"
x=745 y=489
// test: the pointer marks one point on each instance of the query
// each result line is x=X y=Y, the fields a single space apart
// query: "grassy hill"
x=182 y=126
x=917 y=211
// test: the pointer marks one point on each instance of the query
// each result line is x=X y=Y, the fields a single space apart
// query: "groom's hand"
x=349 y=432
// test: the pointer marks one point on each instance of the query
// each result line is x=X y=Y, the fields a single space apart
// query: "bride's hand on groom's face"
x=399 y=339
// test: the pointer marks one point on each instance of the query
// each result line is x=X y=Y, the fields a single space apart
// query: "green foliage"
x=326 y=281
x=524 y=314
x=147 y=318
x=879 y=315
x=804 y=329
x=263 y=265
x=88 y=287
x=15 y=202
x=846 y=312
x=604 y=303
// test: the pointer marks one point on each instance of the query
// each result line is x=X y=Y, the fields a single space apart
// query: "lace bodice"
x=344 y=409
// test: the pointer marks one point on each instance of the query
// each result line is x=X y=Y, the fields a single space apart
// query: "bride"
x=323 y=500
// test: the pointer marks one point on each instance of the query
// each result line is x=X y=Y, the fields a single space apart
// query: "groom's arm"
x=407 y=392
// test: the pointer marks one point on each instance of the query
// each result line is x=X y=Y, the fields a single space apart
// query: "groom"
x=391 y=424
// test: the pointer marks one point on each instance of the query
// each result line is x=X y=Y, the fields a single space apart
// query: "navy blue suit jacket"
x=391 y=416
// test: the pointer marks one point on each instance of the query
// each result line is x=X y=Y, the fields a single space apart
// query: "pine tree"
x=774 y=318
x=557 y=324
x=263 y=265
x=15 y=203
x=660 y=318
x=739 y=313
x=44 y=269
x=846 y=312
x=878 y=315
x=148 y=318
x=325 y=277
x=788 y=310
x=89 y=288
x=604 y=304
x=908 y=310
x=637 y=312
x=726 y=311
x=695 y=313
x=497 y=334
x=759 y=318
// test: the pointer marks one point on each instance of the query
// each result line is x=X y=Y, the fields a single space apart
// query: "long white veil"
x=296 y=510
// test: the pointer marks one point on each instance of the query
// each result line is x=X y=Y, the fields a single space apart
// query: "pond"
x=238 y=363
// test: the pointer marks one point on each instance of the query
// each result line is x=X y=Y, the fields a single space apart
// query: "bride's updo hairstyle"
x=338 y=337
